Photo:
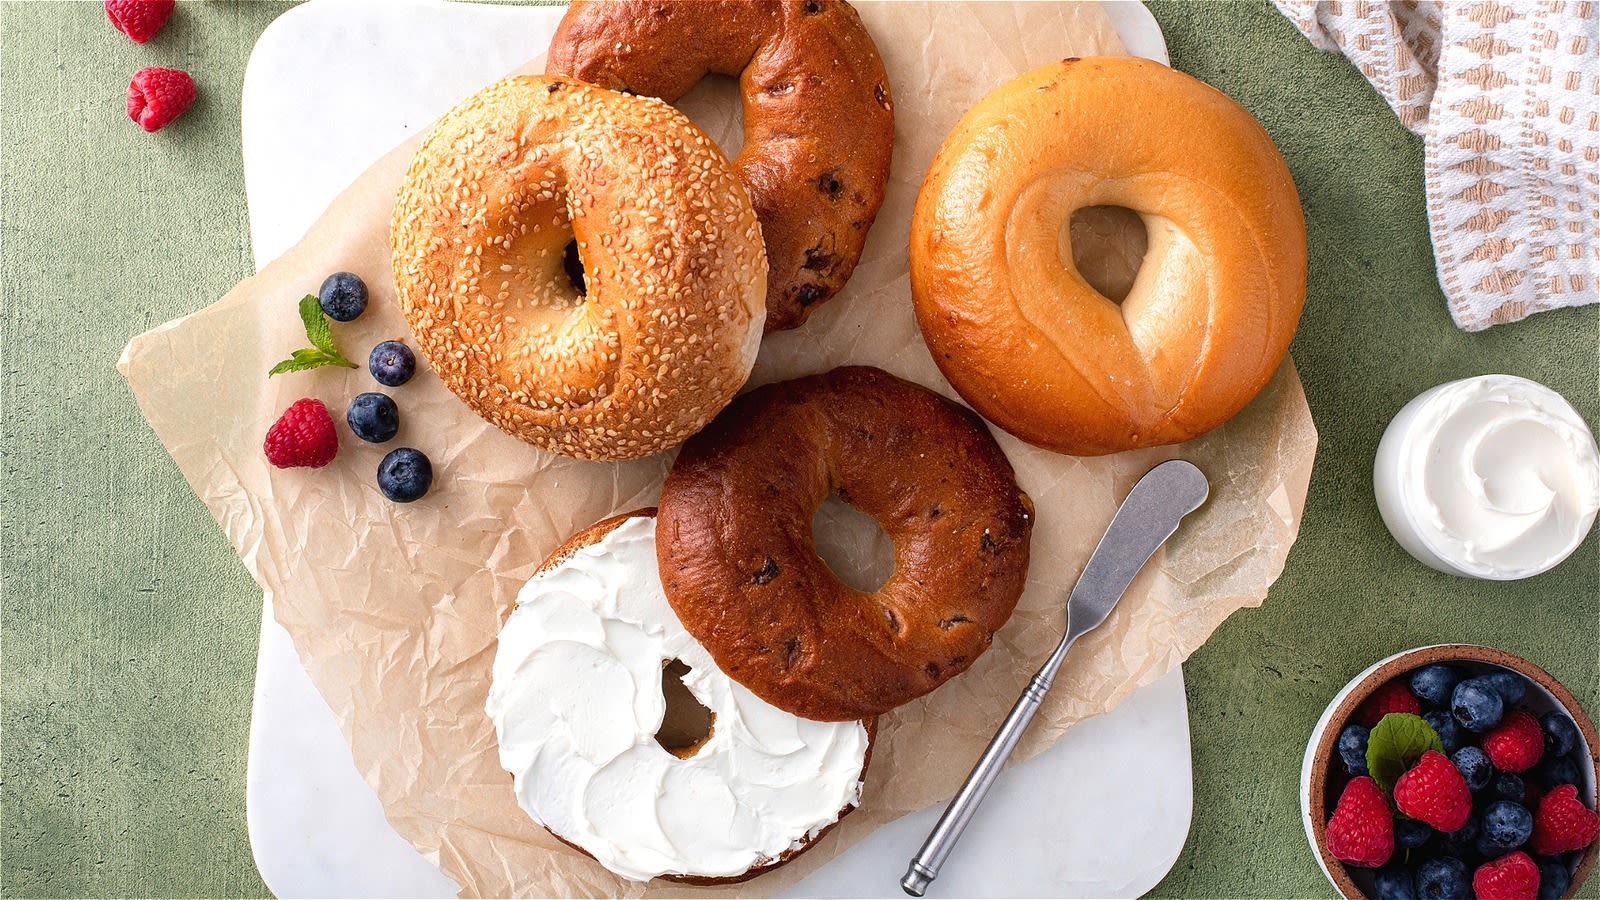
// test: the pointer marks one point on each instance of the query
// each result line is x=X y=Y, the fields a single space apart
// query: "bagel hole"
x=1106 y=246
x=852 y=544
x=715 y=105
x=572 y=264
x=687 y=724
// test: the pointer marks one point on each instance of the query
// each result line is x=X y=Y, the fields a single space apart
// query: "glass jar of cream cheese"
x=1494 y=477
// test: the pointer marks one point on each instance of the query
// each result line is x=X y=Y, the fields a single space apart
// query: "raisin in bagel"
x=577 y=702
x=742 y=571
x=669 y=322
x=818 y=119
x=1018 y=331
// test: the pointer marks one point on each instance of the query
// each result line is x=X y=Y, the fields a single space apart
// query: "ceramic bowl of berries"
x=1452 y=771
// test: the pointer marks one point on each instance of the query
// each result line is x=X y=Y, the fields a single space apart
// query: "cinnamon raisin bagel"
x=666 y=323
x=818 y=118
x=580 y=712
x=1019 y=332
x=741 y=569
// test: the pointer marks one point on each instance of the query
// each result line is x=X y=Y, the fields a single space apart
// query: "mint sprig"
x=322 y=352
x=1395 y=745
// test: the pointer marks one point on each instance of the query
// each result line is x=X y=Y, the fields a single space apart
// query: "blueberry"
x=405 y=475
x=1507 y=786
x=1394 y=883
x=1447 y=728
x=1475 y=767
x=343 y=296
x=1433 y=684
x=1554 y=770
x=373 y=417
x=1553 y=879
x=1507 y=823
x=1509 y=685
x=1353 y=748
x=1560 y=735
x=1488 y=848
x=1411 y=833
x=1477 y=705
x=1443 y=878
x=1459 y=843
x=392 y=363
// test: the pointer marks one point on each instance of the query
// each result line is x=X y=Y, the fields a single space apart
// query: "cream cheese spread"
x=576 y=701
x=1495 y=477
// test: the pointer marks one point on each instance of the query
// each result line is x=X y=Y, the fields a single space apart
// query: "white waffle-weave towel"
x=1506 y=96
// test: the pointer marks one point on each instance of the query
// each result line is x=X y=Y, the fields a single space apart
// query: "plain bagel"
x=666 y=327
x=818 y=117
x=1016 y=329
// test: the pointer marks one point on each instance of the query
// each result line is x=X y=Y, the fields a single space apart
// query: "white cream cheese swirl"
x=576 y=700
x=1497 y=475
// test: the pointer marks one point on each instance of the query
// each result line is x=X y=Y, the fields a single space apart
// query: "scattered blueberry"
x=1353 y=748
x=1508 y=824
x=1447 y=728
x=1433 y=684
x=1507 y=786
x=1475 y=767
x=343 y=296
x=392 y=363
x=1394 y=883
x=1443 y=878
x=1477 y=705
x=1411 y=833
x=1553 y=879
x=405 y=475
x=1554 y=770
x=1560 y=735
x=373 y=417
x=1488 y=848
x=1509 y=685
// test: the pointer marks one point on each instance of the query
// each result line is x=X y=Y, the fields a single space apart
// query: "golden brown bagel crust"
x=1025 y=339
x=740 y=567
x=593 y=535
x=672 y=258
x=818 y=118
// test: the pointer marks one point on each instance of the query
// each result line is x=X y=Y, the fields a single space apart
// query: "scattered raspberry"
x=156 y=96
x=1434 y=791
x=139 y=19
x=1563 y=823
x=1393 y=697
x=1511 y=877
x=1361 y=831
x=1516 y=743
x=302 y=436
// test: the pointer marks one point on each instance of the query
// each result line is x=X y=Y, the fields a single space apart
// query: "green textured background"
x=129 y=629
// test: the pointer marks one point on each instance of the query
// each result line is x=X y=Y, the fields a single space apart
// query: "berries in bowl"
x=1452 y=771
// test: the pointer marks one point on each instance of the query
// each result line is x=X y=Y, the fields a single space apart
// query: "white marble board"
x=331 y=86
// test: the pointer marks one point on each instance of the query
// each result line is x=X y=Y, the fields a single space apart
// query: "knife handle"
x=925 y=865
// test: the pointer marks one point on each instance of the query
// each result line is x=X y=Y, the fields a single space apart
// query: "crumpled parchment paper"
x=394 y=609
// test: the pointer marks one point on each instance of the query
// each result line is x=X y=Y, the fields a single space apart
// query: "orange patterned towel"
x=1506 y=96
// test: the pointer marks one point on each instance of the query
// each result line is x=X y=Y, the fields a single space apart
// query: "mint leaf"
x=322 y=352
x=1395 y=745
x=317 y=330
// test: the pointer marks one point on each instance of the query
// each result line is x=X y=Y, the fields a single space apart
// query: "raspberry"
x=1563 y=823
x=1361 y=831
x=1393 y=697
x=1516 y=743
x=156 y=96
x=1434 y=791
x=1511 y=877
x=302 y=436
x=139 y=19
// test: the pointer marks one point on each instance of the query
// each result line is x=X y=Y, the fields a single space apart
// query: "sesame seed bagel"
x=818 y=117
x=664 y=325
